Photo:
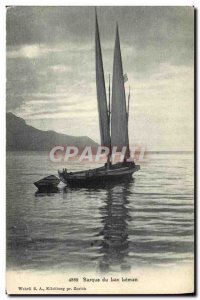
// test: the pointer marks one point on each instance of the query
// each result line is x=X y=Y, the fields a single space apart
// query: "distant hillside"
x=22 y=137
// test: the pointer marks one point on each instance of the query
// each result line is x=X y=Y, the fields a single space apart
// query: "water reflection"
x=47 y=192
x=115 y=217
x=114 y=211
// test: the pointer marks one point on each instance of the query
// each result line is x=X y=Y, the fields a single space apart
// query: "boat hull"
x=51 y=186
x=99 y=176
x=48 y=183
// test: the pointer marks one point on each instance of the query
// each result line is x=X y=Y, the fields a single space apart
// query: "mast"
x=109 y=160
x=129 y=96
x=127 y=155
x=109 y=97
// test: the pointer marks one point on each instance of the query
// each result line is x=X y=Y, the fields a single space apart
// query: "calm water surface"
x=145 y=222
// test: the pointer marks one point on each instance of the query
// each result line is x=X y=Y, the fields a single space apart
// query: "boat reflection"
x=112 y=241
x=47 y=192
x=115 y=217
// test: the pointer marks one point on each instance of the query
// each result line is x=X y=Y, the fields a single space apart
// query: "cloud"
x=60 y=68
x=31 y=51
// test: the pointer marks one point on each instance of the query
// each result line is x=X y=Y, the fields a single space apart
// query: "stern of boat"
x=62 y=176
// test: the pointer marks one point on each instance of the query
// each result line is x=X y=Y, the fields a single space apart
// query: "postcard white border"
x=3 y=4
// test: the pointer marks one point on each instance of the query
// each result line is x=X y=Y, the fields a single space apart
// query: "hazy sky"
x=51 y=69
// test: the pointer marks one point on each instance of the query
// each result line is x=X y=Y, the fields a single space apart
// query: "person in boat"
x=129 y=163
x=107 y=164
x=65 y=171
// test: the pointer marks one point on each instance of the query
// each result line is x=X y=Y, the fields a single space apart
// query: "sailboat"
x=113 y=123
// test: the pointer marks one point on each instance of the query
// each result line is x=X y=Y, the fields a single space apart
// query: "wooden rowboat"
x=47 y=183
x=100 y=175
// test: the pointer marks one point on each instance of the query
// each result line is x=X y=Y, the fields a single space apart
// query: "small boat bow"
x=47 y=183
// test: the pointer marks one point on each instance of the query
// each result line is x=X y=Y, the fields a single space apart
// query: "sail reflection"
x=115 y=217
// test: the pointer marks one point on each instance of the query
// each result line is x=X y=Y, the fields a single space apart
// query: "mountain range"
x=23 y=137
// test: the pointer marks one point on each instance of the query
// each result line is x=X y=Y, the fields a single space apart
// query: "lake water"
x=147 y=222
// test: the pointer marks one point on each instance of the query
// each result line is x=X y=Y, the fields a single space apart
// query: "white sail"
x=119 y=128
x=101 y=92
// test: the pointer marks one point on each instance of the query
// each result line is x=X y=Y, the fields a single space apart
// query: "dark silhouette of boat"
x=48 y=183
x=99 y=176
x=113 y=123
